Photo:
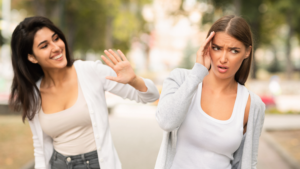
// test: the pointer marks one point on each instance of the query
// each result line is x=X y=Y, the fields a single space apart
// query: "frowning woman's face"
x=227 y=54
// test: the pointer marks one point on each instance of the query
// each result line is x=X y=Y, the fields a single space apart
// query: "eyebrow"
x=228 y=47
x=46 y=40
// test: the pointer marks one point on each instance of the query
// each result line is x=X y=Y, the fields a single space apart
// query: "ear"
x=248 y=52
x=32 y=59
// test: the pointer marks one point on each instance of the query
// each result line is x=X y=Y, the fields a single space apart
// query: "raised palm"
x=122 y=67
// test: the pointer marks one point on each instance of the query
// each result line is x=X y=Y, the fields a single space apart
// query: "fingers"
x=115 y=55
x=207 y=60
x=208 y=40
x=107 y=61
x=202 y=50
x=122 y=55
x=203 y=56
x=111 y=57
x=211 y=35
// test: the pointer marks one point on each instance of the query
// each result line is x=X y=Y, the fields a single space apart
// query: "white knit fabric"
x=206 y=142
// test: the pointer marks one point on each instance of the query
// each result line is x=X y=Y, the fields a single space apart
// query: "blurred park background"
x=158 y=36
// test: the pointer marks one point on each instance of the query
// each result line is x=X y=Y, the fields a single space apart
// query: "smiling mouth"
x=57 y=57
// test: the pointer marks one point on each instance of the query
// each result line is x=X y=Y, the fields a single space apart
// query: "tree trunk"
x=40 y=7
x=237 y=5
x=255 y=26
x=108 y=32
x=71 y=29
x=289 y=65
x=62 y=14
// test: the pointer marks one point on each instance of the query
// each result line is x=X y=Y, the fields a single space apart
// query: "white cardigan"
x=91 y=76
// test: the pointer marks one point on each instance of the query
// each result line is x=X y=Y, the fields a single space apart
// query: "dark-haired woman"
x=211 y=120
x=64 y=101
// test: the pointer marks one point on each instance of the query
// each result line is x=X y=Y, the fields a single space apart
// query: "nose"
x=223 y=58
x=55 y=47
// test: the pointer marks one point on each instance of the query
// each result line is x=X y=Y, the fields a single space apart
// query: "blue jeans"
x=81 y=161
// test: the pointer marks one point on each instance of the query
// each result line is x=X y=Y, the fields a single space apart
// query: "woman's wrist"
x=138 y=83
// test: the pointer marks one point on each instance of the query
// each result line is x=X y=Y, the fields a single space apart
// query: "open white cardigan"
x=91 y=76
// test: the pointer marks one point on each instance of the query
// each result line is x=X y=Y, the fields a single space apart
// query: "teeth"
x=57 y=57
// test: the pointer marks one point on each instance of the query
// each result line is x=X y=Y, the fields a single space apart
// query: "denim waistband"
x=86 y=156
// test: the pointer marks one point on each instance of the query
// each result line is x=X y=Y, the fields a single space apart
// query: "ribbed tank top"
x=70 y=129
x=208 y=143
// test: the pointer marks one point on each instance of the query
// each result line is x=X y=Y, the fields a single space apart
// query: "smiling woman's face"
x=48 y=50
x=227 y=54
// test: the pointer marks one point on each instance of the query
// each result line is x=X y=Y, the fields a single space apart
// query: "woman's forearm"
x=178 y=91
x=139 y=84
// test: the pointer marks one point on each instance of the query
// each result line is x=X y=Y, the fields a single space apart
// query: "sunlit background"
x=158 y=36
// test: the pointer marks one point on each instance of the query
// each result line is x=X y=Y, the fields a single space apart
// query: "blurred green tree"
x=188 y=59
x=91 y=25
x=282 y=13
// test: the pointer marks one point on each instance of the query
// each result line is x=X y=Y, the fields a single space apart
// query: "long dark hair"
x=25 y=95
x=238 y=28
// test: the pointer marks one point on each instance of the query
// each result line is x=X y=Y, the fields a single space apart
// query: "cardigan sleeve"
x=39 y=157
x=177 y=93
x=126 y=90
x=257 y=132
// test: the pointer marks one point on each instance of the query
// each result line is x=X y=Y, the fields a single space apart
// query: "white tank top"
x=70 y=129
x=205 y=142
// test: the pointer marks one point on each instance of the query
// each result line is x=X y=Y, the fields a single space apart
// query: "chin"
x=62 y=64
x=221 y=75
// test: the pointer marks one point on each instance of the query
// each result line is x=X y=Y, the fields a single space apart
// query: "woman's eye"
x=56 y=39
x=234 y=51
x=215 y=48
x=44 y=46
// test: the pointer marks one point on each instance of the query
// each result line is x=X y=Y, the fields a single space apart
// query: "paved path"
x=137 y=141
x=137 y=138
x=282 y=122
x=268 y=158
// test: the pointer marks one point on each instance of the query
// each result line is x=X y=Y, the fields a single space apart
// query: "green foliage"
x=276 y=111
x=94 y=24
x=278 y=13
x=274 y=66
x=125 y=25
x=188 y=61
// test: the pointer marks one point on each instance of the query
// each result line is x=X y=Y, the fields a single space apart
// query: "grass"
x=16 y=146
x=276 y=111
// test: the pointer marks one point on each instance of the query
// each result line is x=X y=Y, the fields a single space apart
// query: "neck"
x=56 y=77
x=217 y=85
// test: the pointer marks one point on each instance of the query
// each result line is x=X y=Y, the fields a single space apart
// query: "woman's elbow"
x=156 y=96
x=165 y=124
x=151 y=99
